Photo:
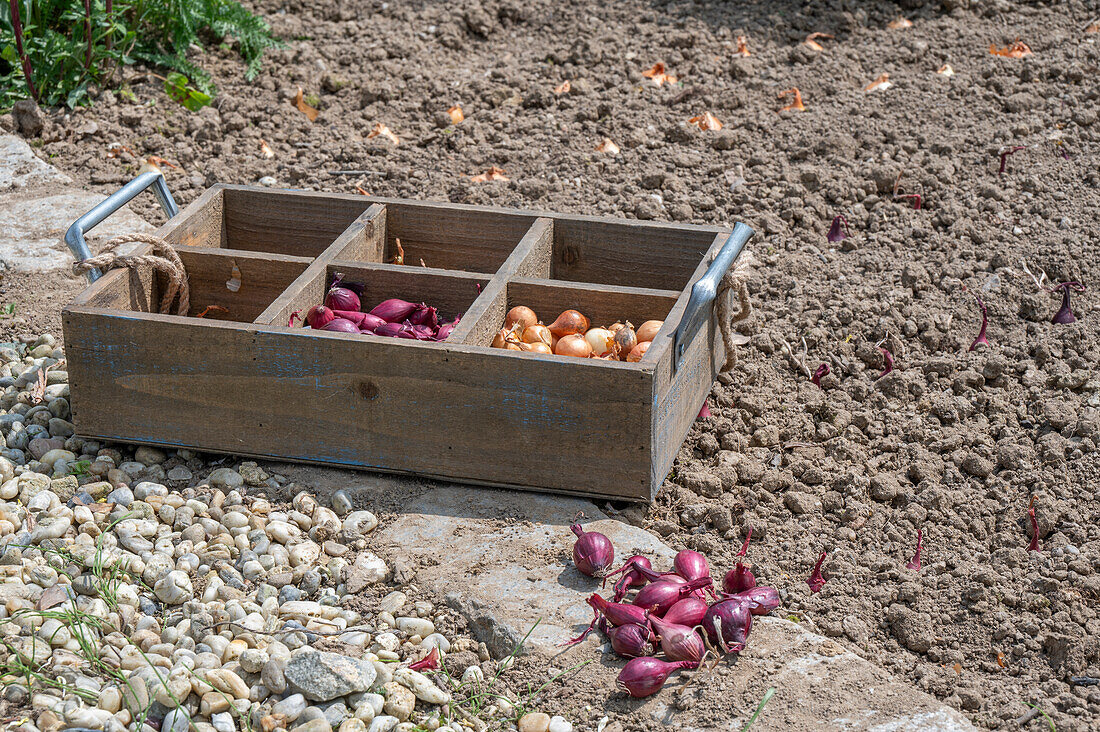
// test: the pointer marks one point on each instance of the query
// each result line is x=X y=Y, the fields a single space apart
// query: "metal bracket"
x=704 y=292
x=74 y=237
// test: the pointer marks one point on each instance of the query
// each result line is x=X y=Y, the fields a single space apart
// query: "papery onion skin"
x=679 y=642
x=446 y=329
x=648 y=330
x=638 y=353
x=659 y=595
x=425 y=314
x=646 y=675
x=760 y=600
x=538 y=334
x=573 y=345
x=340 y=325
x=500 y=339
x=690 y=565
x=341 y=298
x=625 y=340
x=631 y=640
x=618 y=613
x=631 y=577
x=688 y=611
x=728 y=624
x=593 y=552
x=522 y=315
x=365 y=321
x=569 y=322
x=319 y=316
x=600 y=340
x=393 y=310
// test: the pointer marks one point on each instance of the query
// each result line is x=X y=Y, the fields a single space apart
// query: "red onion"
x=821 y=372
x=679 y=642
x=429 y=662
x=660 y=596
x=728 y=624
x=760 y=600
x=888 y=359
x=425 y=315
x=393 y=310
x=1065 y=313
x=394 y=330
x=688 y=611
x=645 y=676
x=630 y=578
x=704 y=411
x=617 y=613
x=341 y=298
x=816 y=580
x=631 y=640
x=319 y=316
x=838 y=231
x=446 y=329
x=365 y=321
x=690 y=565
x=981 y=339
x=340 y=325
x=1033 y=545
x=740 y=578
x=593 y=552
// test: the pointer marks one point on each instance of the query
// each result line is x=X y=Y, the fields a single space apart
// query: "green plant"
x=53 y=50
x=759 y=708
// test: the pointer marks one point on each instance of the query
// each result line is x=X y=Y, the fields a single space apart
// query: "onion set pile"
x=394 y=318
x=676 y=614
x=572 y=334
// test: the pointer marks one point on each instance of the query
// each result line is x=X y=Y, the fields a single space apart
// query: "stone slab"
x=502 y=558
x=38 y=203
x=21 y=169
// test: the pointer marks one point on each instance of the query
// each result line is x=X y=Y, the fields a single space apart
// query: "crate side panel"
x=427 y=409
x=453 y=237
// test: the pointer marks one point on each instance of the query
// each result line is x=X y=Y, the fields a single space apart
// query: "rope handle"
x=734 y=279
x=163 y=259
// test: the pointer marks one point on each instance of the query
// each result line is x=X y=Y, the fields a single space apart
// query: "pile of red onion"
x=669 y=613
x=394 y=318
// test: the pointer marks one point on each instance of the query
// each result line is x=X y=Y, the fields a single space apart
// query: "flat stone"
x=20 y=168
x=820 y=683
x=34 y=230
x=322 y=676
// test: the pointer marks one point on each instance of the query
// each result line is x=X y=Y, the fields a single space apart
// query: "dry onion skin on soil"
x=209 y=606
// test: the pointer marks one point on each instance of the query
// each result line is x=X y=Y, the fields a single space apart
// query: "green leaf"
x=176 y=86
x=9 y=54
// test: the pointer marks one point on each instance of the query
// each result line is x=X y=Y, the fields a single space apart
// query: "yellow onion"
x=538 y=333
x=573 y=345
x=648 y=330
x=625 y=340
x=569 y=323
x=601 y=340
x=639 y=350
x=522 y=315
x=501 y=338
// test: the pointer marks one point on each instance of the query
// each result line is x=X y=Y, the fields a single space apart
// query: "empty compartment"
x=444 y=237
x=602 y=306
x=263 y=220
x=630 y=254
x=232 y=286
x=450 y=293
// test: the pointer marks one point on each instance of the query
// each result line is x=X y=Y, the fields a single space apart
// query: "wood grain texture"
x=631 y=254
x=263 y=277
x=202 y=223
x=531 y=258
x=364 y=240
x=437 y=410
x=296 y=225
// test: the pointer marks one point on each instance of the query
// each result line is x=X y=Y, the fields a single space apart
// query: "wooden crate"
x=244 y=383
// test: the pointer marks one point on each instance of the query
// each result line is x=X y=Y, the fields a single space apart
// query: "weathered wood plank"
x=531 y=258
x=453 y=237
x=296 y=225
x=633 y=254
x=202 y=223
x=364 y=240
x=437 y=410
x=263 y=277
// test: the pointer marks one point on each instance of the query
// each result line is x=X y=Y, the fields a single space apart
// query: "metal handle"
x=74 y=237
x=704 y=291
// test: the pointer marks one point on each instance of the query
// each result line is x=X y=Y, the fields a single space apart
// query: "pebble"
x=235 y=589
x=534 y=722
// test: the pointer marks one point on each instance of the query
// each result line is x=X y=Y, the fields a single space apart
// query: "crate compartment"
x=252 y=220
x=601 y=305
x=452 y=293
x=446 y=237
x=262 y=279
x=628 y=254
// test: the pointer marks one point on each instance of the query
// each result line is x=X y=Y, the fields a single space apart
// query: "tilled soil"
x=952 y=442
